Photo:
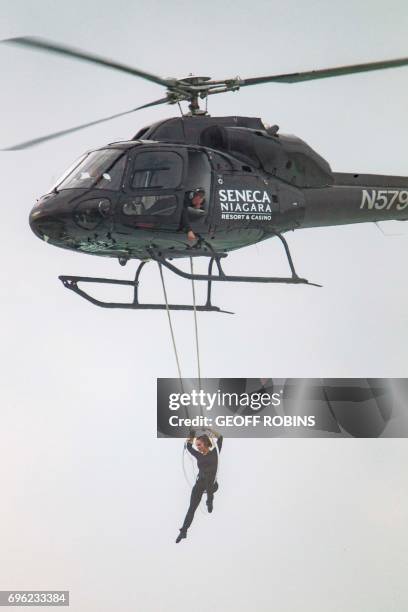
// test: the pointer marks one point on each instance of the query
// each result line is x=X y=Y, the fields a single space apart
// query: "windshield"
x=99 y=169
x=68 y=172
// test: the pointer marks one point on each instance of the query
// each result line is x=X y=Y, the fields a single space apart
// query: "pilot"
x=195 y=199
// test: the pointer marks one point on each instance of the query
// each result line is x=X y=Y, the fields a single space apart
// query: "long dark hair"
x=205 y=440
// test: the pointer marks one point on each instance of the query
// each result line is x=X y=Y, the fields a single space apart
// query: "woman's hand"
x=214 y=433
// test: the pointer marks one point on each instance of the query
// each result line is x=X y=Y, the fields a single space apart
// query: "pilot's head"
x=197 y=197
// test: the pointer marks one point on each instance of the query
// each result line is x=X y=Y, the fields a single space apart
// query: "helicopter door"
x=153 y=189
x=198 y=178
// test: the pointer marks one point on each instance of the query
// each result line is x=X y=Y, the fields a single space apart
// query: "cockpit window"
x=157 y=170
x=99 y=170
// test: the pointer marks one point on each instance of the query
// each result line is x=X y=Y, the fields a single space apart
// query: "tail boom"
x=357 y=198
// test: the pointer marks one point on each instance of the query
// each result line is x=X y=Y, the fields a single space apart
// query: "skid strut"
x=162 y=258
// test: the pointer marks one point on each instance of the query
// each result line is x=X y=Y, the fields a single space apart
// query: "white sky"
x=91 y=500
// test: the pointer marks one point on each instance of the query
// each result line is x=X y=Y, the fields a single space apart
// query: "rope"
x=179 y=368
x=195 y=324
x=171 y=328
x=218 y=458
x=183 y=463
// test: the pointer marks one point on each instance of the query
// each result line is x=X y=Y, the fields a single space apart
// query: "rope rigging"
x=196 y=328
x=171 y=327
x=176 y=355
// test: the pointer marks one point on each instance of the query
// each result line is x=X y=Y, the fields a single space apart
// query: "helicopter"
x=135 y=199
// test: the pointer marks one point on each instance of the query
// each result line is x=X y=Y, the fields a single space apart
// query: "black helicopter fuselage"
x=124 y=199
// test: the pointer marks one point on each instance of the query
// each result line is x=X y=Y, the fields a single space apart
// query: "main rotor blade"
x=45 y=45
x=325 y=73
x=36 y=141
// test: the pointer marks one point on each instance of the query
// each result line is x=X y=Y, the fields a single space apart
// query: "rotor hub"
x=194 y=80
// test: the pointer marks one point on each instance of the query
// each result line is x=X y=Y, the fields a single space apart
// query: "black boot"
x=209 y=503
x=181 y=535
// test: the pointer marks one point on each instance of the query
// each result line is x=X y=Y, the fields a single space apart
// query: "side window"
x=164 y=206
x=157 y=170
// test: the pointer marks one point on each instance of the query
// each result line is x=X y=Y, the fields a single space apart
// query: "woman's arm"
x=217 y=435
x=189 y=447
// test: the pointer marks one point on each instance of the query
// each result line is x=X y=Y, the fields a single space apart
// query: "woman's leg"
x=212 y=487
x=196 y=495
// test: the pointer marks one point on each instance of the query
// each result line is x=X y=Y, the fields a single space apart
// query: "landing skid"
x=162 y=258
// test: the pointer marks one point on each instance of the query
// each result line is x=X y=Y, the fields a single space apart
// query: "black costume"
x=207 y=471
